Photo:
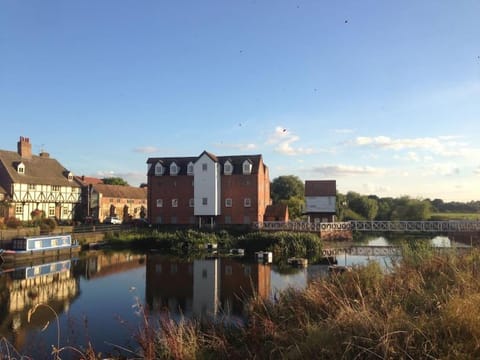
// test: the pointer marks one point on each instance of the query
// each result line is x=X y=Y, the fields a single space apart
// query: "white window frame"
x=190 y=169
x=159 y=203
x=228 y=202
x=51 y=211
x=174 y=169
x=56 y=188
x=18 y=209
x=159 y=169
x=247 y=202
x=247 y=167
x=174 y=203
x=228 y=168
x=21 y=168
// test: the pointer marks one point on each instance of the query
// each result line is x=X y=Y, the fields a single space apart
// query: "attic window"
x=21 y=168
x=228 y=168
x=174 y=169
x=159 y=169
x=70 y=176
x=247 y=167
x=190 y=168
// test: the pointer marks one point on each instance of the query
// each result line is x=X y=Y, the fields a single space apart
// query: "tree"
x=114 y=181
x=365 y=206
x=290 y=190
x=286 y=187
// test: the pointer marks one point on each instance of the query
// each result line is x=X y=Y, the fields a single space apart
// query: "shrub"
x=13 y=223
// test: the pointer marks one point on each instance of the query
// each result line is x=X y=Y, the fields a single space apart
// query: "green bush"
x=13 y=223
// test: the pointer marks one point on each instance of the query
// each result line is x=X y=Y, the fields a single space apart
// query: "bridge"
x=374 y=226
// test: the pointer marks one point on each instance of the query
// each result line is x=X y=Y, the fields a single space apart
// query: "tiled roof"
x=120 y=191
x=87 y=180
x=320 y=188
x=182 y=162
x=38 y=170
x=276 y=210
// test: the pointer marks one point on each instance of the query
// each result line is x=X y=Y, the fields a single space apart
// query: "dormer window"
x=174 y=169
x=159 y=169
x=190 y=168
x=247 y=167
x=70 y=176
x=21 y=168
x=227 y=168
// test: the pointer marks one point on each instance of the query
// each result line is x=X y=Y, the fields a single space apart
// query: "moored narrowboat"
x=24 y=248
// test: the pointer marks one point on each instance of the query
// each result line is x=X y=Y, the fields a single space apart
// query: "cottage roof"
x=38 y=170
x=276 y=211
x=320 y=188
x=121 y=191
x=87 y=180
x=182 y=162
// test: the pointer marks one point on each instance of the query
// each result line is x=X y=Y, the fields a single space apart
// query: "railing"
x=373 y=226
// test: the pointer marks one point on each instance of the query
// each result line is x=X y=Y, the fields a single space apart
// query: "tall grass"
x=417 y=310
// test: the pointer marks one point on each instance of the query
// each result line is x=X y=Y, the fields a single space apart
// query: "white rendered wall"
x=320 y=204
x=206 y=186
x=206 y=290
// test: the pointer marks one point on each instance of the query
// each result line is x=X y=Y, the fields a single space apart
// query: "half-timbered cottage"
x=33 y=183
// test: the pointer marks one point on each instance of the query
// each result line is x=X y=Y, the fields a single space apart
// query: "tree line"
x=290 y=190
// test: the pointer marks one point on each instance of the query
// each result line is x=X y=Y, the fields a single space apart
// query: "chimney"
x=24 y=147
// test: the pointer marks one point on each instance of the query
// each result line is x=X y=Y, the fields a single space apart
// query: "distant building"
x=36 y=183
x=320 y=200
x=277 y=212
x=101 y=200
x=207 y=189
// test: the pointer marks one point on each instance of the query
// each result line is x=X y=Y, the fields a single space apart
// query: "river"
x=100 y=296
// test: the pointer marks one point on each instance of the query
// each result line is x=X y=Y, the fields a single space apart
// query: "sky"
x=382 y=96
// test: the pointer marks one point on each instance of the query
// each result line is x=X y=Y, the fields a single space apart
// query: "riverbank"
x=426 y=307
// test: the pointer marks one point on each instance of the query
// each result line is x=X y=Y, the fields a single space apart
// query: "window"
x=228 y=270
x=174 y=169
x=190 y=168
x=204 y=201
x=158 y=268
x=228 y=202
x=247 y=167
x=174 y=202
x=18 y=209
x=21 y=168
x=32 y=186
x=247 y=202
x=191 y=202
x=228 y=219
x=246 y=220
x=159 y=202
x=159 y=170
x=55 y=188
x=191 y=220
x=65 y=211
x=228 y=168
x=173 y=268
x=173 y=220
x=204 y=167
x=51 y=211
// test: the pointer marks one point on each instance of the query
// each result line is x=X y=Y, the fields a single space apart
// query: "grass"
x=454 y=216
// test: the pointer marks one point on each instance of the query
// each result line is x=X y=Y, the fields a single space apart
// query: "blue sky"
x=382 y=96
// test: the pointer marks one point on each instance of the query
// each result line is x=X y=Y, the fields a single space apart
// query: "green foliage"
x=362 y=205
x=295 y=207
x=287 y=187
x=407 y=208
x=114 y=181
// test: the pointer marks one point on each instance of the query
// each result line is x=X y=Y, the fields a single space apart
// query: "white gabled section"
x=247 y=167
x=320 y=204
x=174 y=169
x=190 y=168
x=206 y=182
x=159 y=169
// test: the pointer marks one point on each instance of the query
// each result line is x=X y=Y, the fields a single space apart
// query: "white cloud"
x=146 y=150
x=376 y=189
x=284 y=139
x=345 y=170
x=447 y=146
x=446 y=169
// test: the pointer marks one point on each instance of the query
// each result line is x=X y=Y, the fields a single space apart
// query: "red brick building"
x=207 y=189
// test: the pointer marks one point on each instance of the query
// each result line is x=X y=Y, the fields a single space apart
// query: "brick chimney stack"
x=24 y=147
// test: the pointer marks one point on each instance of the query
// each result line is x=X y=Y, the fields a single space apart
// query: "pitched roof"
x=87 y=180
x=320 y=188
x=182 y=162
x=276 y=210
x=38 y=170
x=120 y=191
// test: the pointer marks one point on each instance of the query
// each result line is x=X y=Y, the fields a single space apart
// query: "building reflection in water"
x=204 y=287
x=24 y=287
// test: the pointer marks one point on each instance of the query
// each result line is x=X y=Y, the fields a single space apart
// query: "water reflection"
x=204 y=287
x=24 y=287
